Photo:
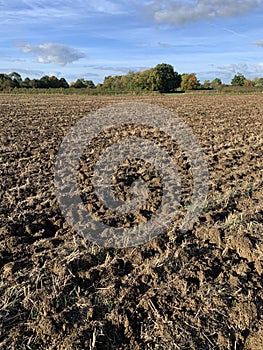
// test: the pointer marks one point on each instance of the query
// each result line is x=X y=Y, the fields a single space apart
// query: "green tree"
x=63 y=83
x=89 y=84
x=207 y=84
x=16 y=78
x=238 y=80
x=8 y=84
x=3 y=78
x=142 y=80
x=54 y=82
x=44 y=82
x=216 y=83
x=118 y=84
x=167 y=79
x=35 y=83
x=108 y=82
x=79 y=84
x=26 y=83
x=130 y=80
x=153 y=79
x=258 y=82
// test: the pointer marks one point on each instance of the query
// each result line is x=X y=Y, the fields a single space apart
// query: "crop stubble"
x=198 y=290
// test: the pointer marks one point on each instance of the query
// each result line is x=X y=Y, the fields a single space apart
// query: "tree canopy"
x=238 y=80
x=190 y=82
x=167 y=80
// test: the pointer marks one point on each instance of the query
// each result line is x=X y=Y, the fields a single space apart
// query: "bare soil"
x=197 y=290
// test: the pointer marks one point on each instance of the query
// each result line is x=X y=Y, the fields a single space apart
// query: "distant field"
x=198 y=290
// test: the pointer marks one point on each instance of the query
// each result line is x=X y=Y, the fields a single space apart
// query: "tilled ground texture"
x=196 y=290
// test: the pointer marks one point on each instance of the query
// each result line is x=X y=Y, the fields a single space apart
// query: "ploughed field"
x=201 y=289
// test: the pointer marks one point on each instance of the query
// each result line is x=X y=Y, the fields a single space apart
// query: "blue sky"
x=96 y=38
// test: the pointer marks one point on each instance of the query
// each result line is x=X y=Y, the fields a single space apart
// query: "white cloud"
x=258 y=43
x=182 y=12
x=52 y=53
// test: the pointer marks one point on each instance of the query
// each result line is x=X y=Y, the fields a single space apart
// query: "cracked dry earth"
x=200 y=290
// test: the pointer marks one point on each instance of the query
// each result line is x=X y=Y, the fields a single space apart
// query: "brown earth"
x=197 y=290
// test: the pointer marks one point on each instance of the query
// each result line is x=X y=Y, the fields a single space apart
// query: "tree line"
x=162 y=78
x=14 y=80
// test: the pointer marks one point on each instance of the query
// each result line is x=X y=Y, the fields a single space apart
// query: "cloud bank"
x=52 y=53
x=182 y=12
